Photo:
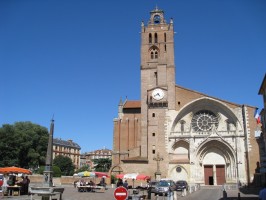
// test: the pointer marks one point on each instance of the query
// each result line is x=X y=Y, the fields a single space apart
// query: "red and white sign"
x=120 y=193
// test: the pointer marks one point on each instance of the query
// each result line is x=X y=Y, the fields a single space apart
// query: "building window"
x=178 y=169
x=203 y=120
x=155 y=38
x=152 y=55
x=153 y=134
x=164 y=37
x=153 y=114
x=153 y=149
x=156 y=19
x=150 y=38
x=156 y=54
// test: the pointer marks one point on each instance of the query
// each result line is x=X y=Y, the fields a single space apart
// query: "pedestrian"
x=125 y=184
x=262 y=193
x=119 y=182
x=27 y=183
x=4 y=185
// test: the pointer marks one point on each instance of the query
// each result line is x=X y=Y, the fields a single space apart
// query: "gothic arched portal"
x=216 y=161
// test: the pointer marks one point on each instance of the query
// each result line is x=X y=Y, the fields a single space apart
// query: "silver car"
x=163 y=187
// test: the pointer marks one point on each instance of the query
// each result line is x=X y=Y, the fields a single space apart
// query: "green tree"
x=56 y=171
x=102 y=164
x=83 y=168
x=23 y=144
x=65 y=164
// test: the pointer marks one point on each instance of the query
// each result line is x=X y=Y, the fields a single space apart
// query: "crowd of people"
x=121 y=183
x=13 y=180
x=82 y=182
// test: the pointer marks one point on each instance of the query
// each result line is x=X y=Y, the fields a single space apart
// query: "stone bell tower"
x=157 y=82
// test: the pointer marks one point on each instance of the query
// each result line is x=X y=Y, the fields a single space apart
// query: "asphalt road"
x=205 y=193
x=208 y=193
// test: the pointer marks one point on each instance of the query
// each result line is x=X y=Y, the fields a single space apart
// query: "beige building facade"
x=67 y=148
x=262 y=130
x=178 y=133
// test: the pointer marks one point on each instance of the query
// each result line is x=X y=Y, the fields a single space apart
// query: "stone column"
x=48 y=171
x=214 y=175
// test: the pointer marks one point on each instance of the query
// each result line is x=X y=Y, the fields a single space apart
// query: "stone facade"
x=67 y=148
x=96 y=154
x=262 y=130
x=175 y=132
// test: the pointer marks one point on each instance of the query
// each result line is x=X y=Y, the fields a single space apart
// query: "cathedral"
x=178 y=133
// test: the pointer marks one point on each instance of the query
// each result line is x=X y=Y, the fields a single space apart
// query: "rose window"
x=202 y=121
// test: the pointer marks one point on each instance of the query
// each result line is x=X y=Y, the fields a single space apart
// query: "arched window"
x=156 y=19
x=203 y=120
x=150 y=38
x=164 y=37
x=156 y=54
x=152 y=55
x=155 y=38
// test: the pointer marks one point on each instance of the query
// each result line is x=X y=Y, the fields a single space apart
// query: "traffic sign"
x=120 y=193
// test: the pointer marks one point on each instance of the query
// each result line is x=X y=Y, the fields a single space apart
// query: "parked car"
x=164 y=186
x=152 y=185
x=181 y=185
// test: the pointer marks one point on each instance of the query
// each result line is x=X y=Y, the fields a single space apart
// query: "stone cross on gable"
x=158 y=159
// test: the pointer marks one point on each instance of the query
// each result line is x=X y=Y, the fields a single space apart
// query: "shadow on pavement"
x=242 y=198
x=249 y=190
x=245 y=194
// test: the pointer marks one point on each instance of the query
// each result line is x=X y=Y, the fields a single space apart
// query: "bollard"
x=170 y=195
x=182 y=193
x=224 y=195
x=149 y=193
x=175 y=195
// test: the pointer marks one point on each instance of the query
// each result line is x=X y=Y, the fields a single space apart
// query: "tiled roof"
x=65 y=143
x=132 y=104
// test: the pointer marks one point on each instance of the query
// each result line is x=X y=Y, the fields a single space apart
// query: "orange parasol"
x=6 y=170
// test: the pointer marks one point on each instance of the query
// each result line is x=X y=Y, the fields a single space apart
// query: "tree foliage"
x=23 y=144
x=83 y=168
x=56 y=171
x=65 y=164
x=102 y=164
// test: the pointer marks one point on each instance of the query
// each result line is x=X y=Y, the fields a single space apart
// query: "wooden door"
x=208 y=174
x=220 y=174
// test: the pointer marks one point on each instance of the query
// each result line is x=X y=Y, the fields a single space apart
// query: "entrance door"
x=220 y=174
x=208 y=174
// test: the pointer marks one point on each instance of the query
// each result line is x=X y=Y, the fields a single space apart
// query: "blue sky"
x=74 y=59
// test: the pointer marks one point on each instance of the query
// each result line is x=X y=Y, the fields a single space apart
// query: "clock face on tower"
x=158 y=94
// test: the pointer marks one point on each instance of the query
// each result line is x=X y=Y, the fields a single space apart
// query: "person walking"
x=119 y=182
x=125 y=184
